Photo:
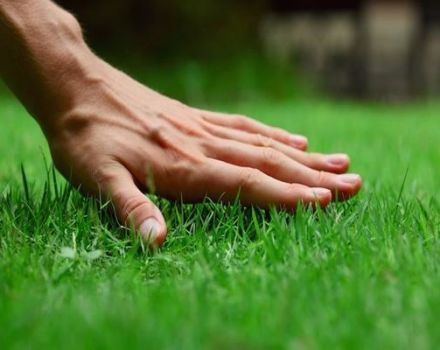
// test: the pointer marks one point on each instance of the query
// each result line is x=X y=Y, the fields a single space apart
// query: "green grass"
x=363 y=274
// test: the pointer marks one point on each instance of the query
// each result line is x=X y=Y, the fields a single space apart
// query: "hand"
x=119 y=138
x=111 y=136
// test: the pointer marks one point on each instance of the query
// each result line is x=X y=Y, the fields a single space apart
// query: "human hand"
x=118 y=139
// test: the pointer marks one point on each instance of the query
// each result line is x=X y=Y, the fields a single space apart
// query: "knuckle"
x=205 y=117
x=196 y=131
x=183 y=170
x=105 y=175
x=156 y=133
x=249 y=179
x=314 y=159
x=210 y=145
x=270 y=157
x=321 y=178
x=144 y=127
x=241 y=121
x=182 y=178
x=264 y=141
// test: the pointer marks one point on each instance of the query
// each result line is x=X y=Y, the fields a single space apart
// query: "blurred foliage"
x=241 y=78
x=192 y=28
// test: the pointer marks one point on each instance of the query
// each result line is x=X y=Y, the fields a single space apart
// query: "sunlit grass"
x=361 y=274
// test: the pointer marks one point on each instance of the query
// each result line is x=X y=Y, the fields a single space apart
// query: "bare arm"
x=110 y=135
x=43 y=55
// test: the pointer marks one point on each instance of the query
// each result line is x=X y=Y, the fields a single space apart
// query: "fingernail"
x=298 y=141
x=149 y=230
x=349 y=178
x=337 y=159
x=320 y=192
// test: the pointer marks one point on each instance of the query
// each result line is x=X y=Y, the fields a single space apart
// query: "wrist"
x=71 y=71
x=44 y=56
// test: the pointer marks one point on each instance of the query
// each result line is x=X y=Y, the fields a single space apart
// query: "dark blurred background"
x=366 y=49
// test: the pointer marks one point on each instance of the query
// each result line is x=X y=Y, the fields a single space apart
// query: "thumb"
x=132 y=206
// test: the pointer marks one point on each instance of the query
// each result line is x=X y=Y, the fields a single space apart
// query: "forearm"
x=43 y=55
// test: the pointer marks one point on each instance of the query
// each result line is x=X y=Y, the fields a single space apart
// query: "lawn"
x=362 y=274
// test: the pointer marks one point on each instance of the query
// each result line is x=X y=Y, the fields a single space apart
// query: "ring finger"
x=279 y=166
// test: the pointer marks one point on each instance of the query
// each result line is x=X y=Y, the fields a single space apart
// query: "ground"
x=362 y=274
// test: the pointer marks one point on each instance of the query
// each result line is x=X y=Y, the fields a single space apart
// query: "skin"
x=115 y=138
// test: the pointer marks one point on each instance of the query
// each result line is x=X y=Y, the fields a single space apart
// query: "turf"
x=362 y=274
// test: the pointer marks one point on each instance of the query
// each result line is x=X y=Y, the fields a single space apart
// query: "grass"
x=363 y=274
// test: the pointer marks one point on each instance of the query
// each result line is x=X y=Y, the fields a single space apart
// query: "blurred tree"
x=173 y=27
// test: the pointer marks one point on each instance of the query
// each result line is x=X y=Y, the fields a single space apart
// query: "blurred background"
x=370 y=49
x=375 y=49
x=361 y=76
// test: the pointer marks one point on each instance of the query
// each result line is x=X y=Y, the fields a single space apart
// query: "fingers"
x=252 y=126
x=281 y=167
x=335 y=163
x=223 y=181
x=132 y=206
